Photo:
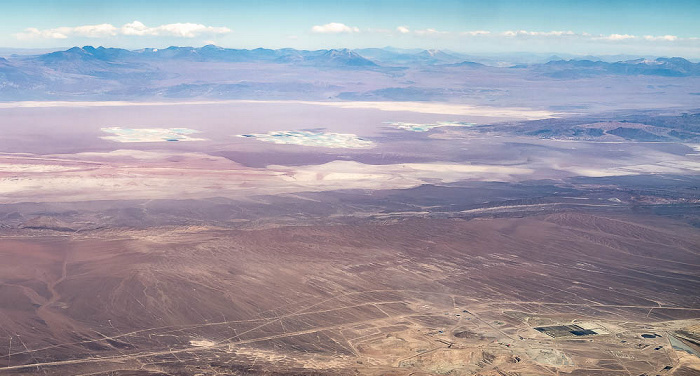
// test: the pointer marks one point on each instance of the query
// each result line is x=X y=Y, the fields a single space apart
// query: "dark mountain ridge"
x=208 y=53
x=216 y=72
x=368 y=58
x=668 y=67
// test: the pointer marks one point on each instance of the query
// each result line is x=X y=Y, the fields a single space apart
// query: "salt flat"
x=419 y=107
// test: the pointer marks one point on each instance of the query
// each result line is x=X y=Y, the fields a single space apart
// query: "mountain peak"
x=437 y=56
x=344 y=57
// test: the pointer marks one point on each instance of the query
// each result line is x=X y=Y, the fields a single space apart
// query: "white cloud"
x=334 y=28
x=616 y=37
x=562 y=36
x=94 y=31
x=90 y=31
x=378 y=30
x=136 y=28
x=669 y=38
x=34 y=33
x=580 y=36
x=183 y=30
x=552 y=33
x=430 y=32
x=475 y=32
x=517 y=33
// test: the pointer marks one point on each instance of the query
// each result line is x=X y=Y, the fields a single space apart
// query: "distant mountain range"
x=210 y=53
x=367 y=57
x=571 y=69
x=212 y=71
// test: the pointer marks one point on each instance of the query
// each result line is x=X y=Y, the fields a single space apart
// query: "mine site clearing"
x=409 y=333
x=442 y=341
x=469 y=306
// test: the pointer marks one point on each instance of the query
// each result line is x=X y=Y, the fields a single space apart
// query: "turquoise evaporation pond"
x=308 y=138
x=425 y=127
x=149 y=134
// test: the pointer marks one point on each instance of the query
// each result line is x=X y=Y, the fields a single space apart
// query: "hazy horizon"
x=592 y=27
x=10 y=51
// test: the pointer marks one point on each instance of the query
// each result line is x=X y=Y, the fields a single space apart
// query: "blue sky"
x=591 y=26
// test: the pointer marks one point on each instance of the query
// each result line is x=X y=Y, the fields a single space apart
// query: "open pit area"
x=419 y=296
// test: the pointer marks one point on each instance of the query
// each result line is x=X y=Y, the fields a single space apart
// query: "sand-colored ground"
x=411 y=297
